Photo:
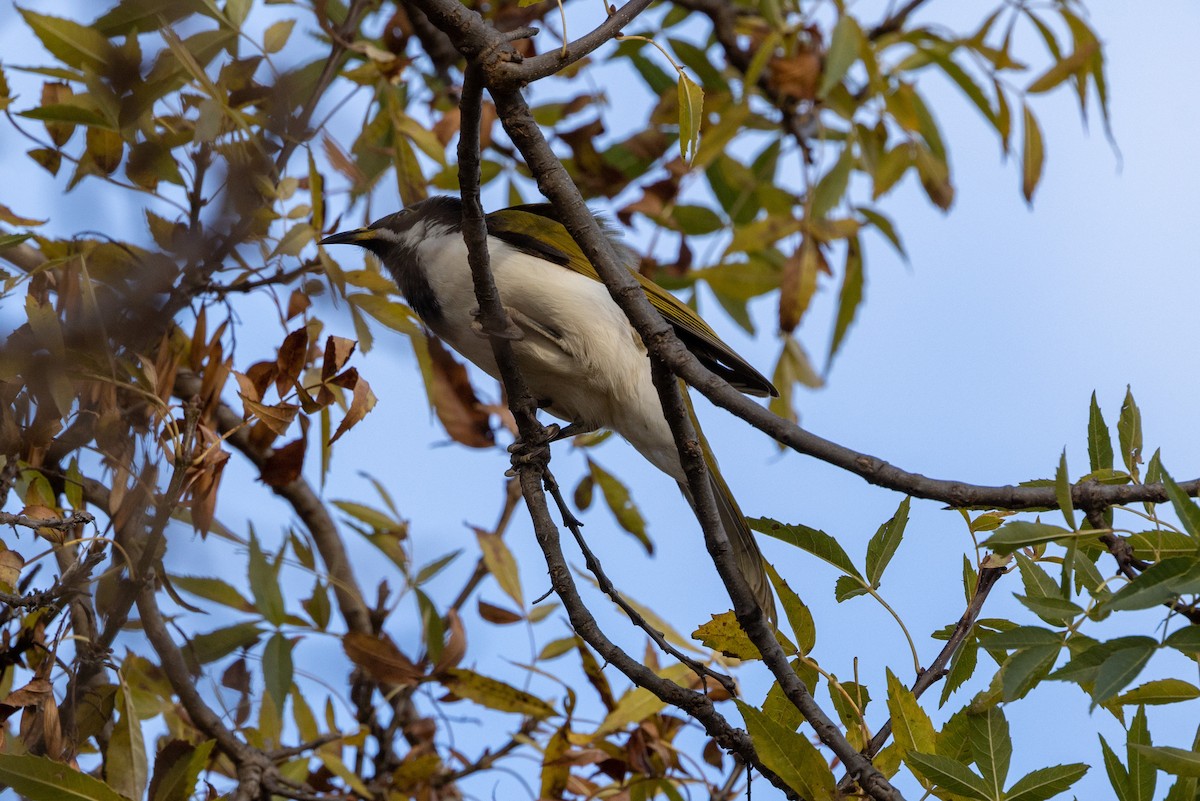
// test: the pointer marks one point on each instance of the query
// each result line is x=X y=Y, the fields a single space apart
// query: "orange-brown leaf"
x=298 y=303
x=284 y=464
x=293 y=354
x=380 y=657
x=454 y=399
x=276 y=417
x=362 y=403
x=337 y=352
x=456 y=645
x=498 y=614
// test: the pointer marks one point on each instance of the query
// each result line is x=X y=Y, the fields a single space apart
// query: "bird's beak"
x=355 y=237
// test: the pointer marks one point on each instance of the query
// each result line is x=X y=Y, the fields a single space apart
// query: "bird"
x=579 y=355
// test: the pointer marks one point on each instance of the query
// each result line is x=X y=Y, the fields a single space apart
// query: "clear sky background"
x=974 y=361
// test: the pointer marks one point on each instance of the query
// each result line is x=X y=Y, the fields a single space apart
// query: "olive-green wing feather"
x=535 y=229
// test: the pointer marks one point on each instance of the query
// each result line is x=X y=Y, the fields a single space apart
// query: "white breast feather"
x=597 y=373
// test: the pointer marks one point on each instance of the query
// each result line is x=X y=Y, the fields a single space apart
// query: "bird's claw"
x=524 y=452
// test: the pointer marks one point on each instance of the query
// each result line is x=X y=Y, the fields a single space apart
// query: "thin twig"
x=607 y=587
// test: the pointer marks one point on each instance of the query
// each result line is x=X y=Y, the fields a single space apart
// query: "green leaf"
x=1160 y=691
x=1189 y=513
x=696 y=220
x=41 y=777
x=1161 y=544
x=213 y=589
x=143 y=16
x=125 y=763
x=1122 y=667
x=264 y=585
x=1176 y=761
x=691 y=115
x=849 y=297
x=1118 y=776
x=884 y=225
x=911 y=725
x=816 y=542
x=798 y=615
x=1057 y=611
x=991 y=747
x=618 y=499
x=1044 y=783
x=1062 y=491
x=1021 y=533
x=841 y=55
x=1142 y=776
x=790 y=755
x=1023 y=637
x=830 y=190
x=1129 y=433
x=949 y=774
x=71 y=43
x=1159 y=583
x=1186 y=640
x=1026 y=668
x=883 y=545
x=177 y=766
x=12 y=240
x=277 y=669
x=214 y=645
x=1100 y=452
x=277 y=34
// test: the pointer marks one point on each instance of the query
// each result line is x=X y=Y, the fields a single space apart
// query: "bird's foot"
x=529 y=451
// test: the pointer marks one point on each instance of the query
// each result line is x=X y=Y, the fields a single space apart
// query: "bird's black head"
x=394 y=238
x=396 y=241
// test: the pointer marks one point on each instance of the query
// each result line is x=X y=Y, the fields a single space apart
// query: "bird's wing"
x=535 y=229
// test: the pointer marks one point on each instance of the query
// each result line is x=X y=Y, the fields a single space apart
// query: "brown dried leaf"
x=799 y=282
x=275 y=417
x=337 y=352
x=795 y=77
x=12 y=218
x=298 y=303
x=454 y=399
x=456 y=646
x=498 y=614
x=380 y=657
x=446 y=127
x=285 y=464
x=11 y=563
x=290 y=361
x=237 y=678
x=54 y=93
x=362 y=403
x=342 y=162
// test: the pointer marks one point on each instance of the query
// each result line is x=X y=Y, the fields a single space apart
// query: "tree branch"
x=533 y=472
x=556 y=185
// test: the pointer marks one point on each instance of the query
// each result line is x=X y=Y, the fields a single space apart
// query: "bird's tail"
x=748 y=557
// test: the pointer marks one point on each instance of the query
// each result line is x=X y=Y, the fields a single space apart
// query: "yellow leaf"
x=500 y=563
x=495 y=694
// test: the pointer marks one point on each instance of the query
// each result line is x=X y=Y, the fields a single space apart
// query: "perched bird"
x=578 y=353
